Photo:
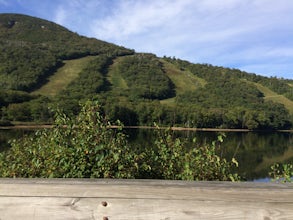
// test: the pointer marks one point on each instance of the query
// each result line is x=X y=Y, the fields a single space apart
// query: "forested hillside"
x=136 y=88
x=32 y=49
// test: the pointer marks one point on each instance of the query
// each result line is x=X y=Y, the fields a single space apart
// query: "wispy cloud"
x=234 y=33
x=60 y=16
x=231 y=32
x=137 y=17
x=78 y=15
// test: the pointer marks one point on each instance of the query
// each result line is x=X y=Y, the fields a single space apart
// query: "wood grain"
x=143 y=199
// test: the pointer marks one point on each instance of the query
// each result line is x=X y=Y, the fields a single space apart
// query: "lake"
x=255 y=151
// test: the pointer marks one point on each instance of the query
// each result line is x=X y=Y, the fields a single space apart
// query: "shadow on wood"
x=142 y=199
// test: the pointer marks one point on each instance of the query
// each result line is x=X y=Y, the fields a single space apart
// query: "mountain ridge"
x=162 y=89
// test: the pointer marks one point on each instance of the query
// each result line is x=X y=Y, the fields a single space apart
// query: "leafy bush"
x=85 y=146
x=172 y=159
x=282 y=172
x=81 y=147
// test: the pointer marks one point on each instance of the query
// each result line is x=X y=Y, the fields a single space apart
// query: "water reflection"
x=255 y=151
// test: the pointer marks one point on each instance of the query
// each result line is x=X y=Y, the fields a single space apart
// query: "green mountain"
x=44 y=66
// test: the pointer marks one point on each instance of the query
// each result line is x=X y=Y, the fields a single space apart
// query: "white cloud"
x=136 y=17
x=77 y=15
x=232 y=33
x=218 y=32
x=196 y=21
x=60 y=16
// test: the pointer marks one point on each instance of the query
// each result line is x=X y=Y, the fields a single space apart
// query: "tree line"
x=223 y=102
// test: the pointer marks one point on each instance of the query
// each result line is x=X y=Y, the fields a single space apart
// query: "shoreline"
x=48 y=126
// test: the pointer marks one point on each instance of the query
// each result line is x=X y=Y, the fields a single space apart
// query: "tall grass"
x=275 y=97
x=64 y=75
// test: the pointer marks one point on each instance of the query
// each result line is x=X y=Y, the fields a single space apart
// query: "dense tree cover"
x=227 y=100
x=268 y=116
x=25 y=30
x=124 y=113
x=25 y=68
x=85 y=146
x=32 y=49
x=278 y=86
x=13 y=96
x=225 y=93
x=145 y=77
x=91 y=80
x=209 y=72
x=223 y=103
x=37 y=110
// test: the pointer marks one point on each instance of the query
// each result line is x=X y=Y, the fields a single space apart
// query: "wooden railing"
x=142 y=199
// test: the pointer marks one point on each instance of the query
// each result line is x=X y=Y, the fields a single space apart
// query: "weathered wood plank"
x=142 y=199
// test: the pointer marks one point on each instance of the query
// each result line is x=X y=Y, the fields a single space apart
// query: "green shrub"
x=172 y=159
x=85 y=147
x=281 y=172
x=75 y=148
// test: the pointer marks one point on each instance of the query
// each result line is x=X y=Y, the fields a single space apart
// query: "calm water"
x=255 y=152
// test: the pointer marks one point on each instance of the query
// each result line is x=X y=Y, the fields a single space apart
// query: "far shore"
x=48 y=126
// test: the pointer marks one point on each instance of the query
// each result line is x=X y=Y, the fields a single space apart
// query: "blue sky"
x=252 y=35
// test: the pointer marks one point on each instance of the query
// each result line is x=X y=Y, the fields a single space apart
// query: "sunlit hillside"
x=44 y=66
